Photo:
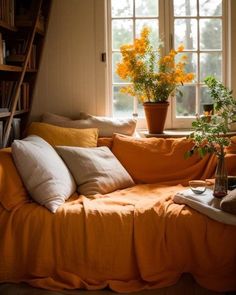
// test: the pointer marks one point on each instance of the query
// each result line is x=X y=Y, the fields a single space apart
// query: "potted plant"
x=154 y=78
x=210 y=132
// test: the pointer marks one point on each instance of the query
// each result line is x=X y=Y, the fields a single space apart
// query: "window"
x=197 y=24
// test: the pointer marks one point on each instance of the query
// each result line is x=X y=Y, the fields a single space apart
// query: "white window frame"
x=166 y=25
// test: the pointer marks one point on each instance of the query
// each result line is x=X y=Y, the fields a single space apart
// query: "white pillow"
x=106 y=126
x=96 y=170
x=43 y=172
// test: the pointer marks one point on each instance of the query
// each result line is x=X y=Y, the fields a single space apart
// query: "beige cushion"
x=51 y=118
x=43 y=172
x=106 y=126
x=228 y=203
x=96 y=170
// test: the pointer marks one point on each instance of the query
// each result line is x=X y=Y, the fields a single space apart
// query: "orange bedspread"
x=128 y=240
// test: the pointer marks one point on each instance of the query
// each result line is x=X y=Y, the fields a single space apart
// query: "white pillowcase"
x=106 y=126
x=43 y=172
x=96 y=170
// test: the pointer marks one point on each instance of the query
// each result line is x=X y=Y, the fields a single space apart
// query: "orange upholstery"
x=12 y=190
x=151 y=160
x=105 y=141
x=128 y=240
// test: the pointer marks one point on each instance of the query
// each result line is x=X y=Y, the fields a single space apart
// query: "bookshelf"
x=23 y=25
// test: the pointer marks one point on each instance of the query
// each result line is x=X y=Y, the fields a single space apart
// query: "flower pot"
x=155 y=113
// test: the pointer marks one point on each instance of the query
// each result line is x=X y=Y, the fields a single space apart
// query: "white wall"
x=67 y=82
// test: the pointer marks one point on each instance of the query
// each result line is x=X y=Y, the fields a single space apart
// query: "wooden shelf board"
x=6 y=26
x=5 y=114
x=9 y=68
x=21 y=112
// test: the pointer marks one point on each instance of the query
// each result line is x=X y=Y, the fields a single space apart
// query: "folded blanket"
x=206 y=204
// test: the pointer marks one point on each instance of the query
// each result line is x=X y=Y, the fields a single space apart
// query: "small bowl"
x=198 y=187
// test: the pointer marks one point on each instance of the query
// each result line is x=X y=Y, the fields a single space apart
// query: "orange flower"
x=154 y=78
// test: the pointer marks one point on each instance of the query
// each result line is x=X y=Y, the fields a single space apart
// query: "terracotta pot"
x=155 y=113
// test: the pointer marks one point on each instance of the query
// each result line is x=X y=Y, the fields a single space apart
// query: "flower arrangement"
x=154 y=78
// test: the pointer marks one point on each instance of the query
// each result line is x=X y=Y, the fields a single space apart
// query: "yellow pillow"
x=55 y=135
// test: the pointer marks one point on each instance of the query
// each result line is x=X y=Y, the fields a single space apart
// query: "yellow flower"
x=154 y=78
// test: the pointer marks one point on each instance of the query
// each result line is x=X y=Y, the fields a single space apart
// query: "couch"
x=130 y=239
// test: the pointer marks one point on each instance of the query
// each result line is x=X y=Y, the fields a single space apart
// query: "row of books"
x=7 y=90
x=13 y=53
x=16 y=56
x=14 y=132
x=7 y=11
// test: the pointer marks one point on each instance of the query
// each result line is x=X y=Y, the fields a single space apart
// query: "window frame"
x=166 y=29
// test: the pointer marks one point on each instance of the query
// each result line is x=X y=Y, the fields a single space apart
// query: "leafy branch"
x=210 y=132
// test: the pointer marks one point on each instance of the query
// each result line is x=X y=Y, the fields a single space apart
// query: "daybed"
x=130 y=239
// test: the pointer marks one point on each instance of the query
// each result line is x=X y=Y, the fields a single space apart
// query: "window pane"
x=122 y=8
x=185 y=105
x=146 y=8
x=140 y=110
x=210 y=7
x=151 y=23
x=191 y=63
x=122 y=32
x=122 y=103
x=210 y=34
x=205 y=98
x=186 y=33
x=116 y=57
x=185 y=7
x=210 y=64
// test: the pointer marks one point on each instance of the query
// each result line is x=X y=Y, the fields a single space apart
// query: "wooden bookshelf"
x=23 y=25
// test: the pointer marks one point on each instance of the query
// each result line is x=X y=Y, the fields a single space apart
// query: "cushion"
x=152 y=160
x=43 y=172
x=96 y=170
x=51 y=118
x=105 y=141
x=228 y=203
x=106 y=126
x=64 y=136
x=12 y=190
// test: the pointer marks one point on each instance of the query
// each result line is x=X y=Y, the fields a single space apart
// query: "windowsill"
x=174 y=133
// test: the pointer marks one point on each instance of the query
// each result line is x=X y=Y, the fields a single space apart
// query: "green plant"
x=224 y=102
x=210 y=133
